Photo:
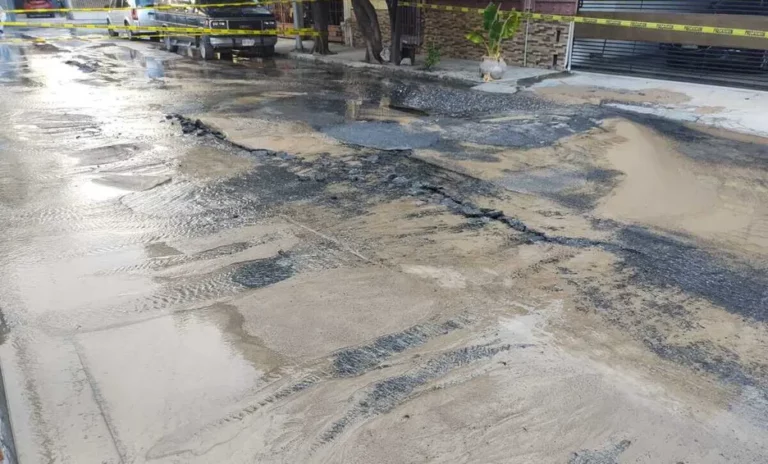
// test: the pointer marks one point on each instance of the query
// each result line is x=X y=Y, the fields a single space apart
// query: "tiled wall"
x=547 y=41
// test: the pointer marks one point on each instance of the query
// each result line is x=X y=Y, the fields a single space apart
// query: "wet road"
x=279 y=262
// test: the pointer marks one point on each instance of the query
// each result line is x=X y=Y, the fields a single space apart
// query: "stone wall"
x=547 y=41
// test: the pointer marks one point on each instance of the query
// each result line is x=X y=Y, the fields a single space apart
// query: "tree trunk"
x=396 y=29
x=320 y=15
x=298 y=23
x=368 y=23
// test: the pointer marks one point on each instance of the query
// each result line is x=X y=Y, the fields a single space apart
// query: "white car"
x=136 y=13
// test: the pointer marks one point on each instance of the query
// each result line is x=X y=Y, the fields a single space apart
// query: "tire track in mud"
x=384 y=395
x=352 y=362
x=164 y=262
x=358 y=360
x=234 y=279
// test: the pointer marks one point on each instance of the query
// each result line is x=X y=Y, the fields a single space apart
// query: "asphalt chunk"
x=264 y=272
x=738 y=288
x=608 y=455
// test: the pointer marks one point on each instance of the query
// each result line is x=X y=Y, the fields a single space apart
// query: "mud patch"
x=5 y=330
x=537 y=131
x=444 y=277
x=609 y=455
x=382 y=135
x=264 y=272
x=86 y=67
x=271 y=185
x=135 y=183
x=294 y=137
x=581 y=190
x=709 y=109
x=663 y=187
x=160 y=250
x=577 y=95
x=663 y=261
x=209 y=163
x=707 y=144
x=108 y=153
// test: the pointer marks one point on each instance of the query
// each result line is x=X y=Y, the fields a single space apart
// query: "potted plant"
x=496 y=28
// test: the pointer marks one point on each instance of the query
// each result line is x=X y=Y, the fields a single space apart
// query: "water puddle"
x=383 y=110
x=162 y=375
x=94 y=191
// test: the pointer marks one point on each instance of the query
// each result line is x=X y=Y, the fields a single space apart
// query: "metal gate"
x=688 y=56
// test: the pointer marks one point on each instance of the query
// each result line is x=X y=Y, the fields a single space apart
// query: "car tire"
x=169 y=46
x=268 y=52
x=129 y=33
x=207 y=52
x=111 y=32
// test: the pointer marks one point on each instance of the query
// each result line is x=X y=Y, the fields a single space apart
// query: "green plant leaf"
x=490 y=15
x=475 y=37
x=510 y=26
x=495 y=32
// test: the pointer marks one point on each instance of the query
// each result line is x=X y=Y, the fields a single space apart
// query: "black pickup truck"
x=194 y=14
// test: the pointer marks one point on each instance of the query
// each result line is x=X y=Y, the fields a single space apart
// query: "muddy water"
x=530 y=283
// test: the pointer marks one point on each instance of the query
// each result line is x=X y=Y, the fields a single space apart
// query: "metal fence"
x=690 y=57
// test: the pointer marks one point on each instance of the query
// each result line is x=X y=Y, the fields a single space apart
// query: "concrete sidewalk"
x=740 y=110
x=464 y=72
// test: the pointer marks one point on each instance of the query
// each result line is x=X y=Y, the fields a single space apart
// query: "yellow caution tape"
x=429 y=6
x=158 y=7
x=161 y=29
x=608 y=22
x=43 y=40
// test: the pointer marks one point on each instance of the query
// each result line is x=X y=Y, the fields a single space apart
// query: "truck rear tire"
x=111 y=32
x=169 y=46
x=207 y=52
x=268 y=51
x=129 y=33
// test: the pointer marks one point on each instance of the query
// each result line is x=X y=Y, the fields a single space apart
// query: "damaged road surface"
x=280 y=262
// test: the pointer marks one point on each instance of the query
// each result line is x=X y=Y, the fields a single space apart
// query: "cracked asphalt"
x=284 y=262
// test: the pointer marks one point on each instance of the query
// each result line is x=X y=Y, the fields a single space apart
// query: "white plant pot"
x=493 y=68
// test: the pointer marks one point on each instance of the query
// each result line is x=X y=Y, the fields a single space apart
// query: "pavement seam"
x=327 y=237
x=100 y=401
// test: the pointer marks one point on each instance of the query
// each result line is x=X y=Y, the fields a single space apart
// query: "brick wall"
x=547 y=41
x=547 y=45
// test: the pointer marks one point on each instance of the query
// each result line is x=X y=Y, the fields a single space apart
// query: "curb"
x=7 y=445
x=383 y=69
x=425 y=75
